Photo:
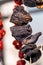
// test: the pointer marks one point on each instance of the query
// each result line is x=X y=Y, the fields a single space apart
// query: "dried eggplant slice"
x=21 y=38
x=29 y=3
x=27 y=48
x=35 y=57
x=34 y=54
x=32 y=38
x=20 y=32
x=20 y=16
x=33 y=3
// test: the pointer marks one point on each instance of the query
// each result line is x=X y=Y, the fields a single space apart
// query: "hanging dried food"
x=33 y=3
x=29 y=3
x=32 y=38
x=20 y=16
x=27 y=48
x=33 y=54
x=20 y=32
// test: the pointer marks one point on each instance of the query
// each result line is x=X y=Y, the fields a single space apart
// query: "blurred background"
x=10 y=53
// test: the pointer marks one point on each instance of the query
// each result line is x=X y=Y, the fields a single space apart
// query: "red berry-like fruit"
x=17 y=44
x=1 y=45
x=2 y=32
x=1 y=25
x=19 y=2
x=21 y=62
x=21 y=54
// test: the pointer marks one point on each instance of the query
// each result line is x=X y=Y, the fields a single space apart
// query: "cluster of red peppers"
x=2 y=33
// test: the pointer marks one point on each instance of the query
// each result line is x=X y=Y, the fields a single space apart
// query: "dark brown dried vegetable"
x=34 y=54
x=29 y=3
x=32 y=38
x=20 y=16
x=32 y=3
x=27 y=48
x=21 y=32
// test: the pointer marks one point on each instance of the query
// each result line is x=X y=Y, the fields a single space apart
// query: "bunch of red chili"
x=2 y=32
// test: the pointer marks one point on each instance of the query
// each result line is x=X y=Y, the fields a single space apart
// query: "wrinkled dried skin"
x=21 y=32
x=32 y=38
x=33 y=3
x=27 y=48
x=20 y=16
x=34 y=54
x=35 y=57
x=29 y=3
